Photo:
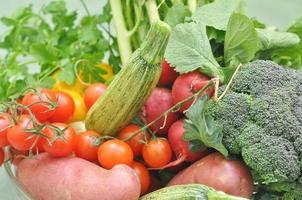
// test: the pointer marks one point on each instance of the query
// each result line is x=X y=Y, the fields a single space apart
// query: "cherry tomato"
x=5 y=123
x=109 y=71
x=64 y=144
x=137 y=142
x=39 y=104
x=143 y=174
x=1 y=156
x=113 y=152
x=85 y=147
x=18 y=137
x=168 y=74
x=65 y=108
x=80 y=107
x=93 y=92
x=157 y=153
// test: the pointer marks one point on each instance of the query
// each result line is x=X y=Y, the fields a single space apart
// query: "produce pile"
x=198 y=101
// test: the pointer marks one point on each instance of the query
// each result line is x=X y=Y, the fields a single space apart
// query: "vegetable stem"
x=152 y=11
x=123 y=38
x=192 y=5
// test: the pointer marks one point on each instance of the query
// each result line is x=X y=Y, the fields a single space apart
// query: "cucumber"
x=188 y=192
x=124 y=97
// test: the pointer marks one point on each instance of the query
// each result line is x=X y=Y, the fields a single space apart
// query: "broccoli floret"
x=261 y=116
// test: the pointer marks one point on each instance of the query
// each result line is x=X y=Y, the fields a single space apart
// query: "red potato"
x=229 y=176
x=168 y=74
x=180 y=147
x=73 y=178
x=186 y=85
x=159 y=101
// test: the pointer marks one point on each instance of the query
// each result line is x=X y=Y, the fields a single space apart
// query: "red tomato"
x=114 y=152
x=137 y=142
x=65 y=108
x=64 y=144
x=143 y=174
x=1 y=156
x=93 y=92
x=39 y=104
x=186 y=85
x=85 y=146
x=157 y=153
x=18 y=138
x=168 y=74
x=5 y=123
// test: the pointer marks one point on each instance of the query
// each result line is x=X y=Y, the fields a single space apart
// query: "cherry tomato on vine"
x=60 y=145
x=65 y=108
x=113 y=152
x=17 y=135
x=143 y=174
x=5 y=123
x=85 y=147
x=138 y=141
x=40 y=104
x=1 y=156
x=93 y=92
x=157 y=153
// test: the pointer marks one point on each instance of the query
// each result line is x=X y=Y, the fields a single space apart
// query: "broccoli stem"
x=123 y=37
x=192 y=5
x=152 y=11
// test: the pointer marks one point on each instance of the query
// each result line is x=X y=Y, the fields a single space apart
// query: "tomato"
x=143 y=174
x=18 y=138
x=93 y=92
x=80 y=107
x=5 y=123
x=1 y=156
x=65 y=108
x=85 y=147
x=64 y=144
x=138 y=141
x=38 y=104
x=168 y=74
x=109 y=71
x=113 y=152
x=157 y=153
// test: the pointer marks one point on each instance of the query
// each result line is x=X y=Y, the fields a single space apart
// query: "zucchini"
x=124 y=97
x=188 y=192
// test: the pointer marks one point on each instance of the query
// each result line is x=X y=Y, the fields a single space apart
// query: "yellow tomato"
x=108 y=69
x=62 y=86
x=80 y=107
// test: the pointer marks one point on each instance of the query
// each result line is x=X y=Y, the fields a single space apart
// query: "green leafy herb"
x=199 y=126
x=241 y=40
x=189 y=49
x=177 y=14
x=217 y=14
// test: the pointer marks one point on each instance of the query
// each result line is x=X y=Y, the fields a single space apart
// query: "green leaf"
x=270 y=39
x=55 y=7
x=189 y=49
x=241 y=41
x=217 y=14
x=48 y=82
x=43 y=53
x=106 y=13
x=199 y=124
x=8 y=21
x=296 y=27
x=89 y=32
x=67 y=74
x=177 y=14
x=217 y=35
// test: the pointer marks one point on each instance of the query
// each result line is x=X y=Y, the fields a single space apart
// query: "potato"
x=72 y=178
x=229 y=176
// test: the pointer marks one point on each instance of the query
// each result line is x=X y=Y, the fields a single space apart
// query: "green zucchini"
x=188 y=192
x=124 y=97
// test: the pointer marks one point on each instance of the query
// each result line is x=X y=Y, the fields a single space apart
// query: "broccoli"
x=261 y=116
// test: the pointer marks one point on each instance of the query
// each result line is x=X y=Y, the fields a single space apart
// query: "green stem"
x=123 y=38
x=152 y=11
x=192 y=5
x=175 y=2
x=85 y=7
